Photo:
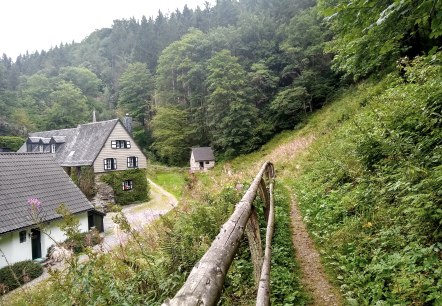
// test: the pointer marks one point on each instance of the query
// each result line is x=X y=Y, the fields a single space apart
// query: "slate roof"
x=203 y=154
x=33 y=175
x=79 y=146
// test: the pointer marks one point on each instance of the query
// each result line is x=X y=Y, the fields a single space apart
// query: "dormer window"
x=132 y=162
x=53 y=148
x=120 y=144
x=110 y=164
x=40 y=148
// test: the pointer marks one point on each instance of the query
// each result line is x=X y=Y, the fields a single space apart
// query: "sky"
x=33 y=25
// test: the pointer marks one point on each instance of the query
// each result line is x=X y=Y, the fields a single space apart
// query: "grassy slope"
x=369 y=189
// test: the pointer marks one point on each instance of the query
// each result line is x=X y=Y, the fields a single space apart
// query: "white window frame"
x=53 y=148
x=110 y=164
x=132 y=162
x=128 y=185
x=120 y=144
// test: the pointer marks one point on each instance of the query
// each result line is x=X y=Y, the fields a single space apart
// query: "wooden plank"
x=263 y=297
x=205 y=281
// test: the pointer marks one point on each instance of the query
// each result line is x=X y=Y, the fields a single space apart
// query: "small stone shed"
x=202 y=159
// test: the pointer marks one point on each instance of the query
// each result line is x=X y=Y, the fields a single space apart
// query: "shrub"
x=84 y=240
x=21 y=272
x=11 y=142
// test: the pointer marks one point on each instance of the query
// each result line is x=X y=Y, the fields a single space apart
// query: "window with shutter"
x=120 y=144
x=110 y=164
x=132 y=162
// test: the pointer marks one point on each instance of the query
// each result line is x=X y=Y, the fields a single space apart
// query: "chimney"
x=94 y=118
x=127 y=122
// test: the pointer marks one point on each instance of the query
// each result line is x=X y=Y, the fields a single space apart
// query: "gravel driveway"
x=138 y=215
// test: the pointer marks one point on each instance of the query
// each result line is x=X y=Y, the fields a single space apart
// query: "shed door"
x=36 y=243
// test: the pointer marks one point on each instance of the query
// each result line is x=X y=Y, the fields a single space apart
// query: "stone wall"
x=104 y=194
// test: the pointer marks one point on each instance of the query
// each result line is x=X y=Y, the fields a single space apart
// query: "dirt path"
x=313 y=275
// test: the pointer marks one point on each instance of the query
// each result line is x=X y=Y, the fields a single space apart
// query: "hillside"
x=373 y=210
x=186 y=78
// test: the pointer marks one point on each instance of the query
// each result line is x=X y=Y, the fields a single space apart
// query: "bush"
x=86 y=181
x=84 y=240
x=139 y=192
x=15 y=275
x=11 y=142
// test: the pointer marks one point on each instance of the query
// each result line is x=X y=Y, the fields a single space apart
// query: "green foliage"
x=86 y=181
x=232 y=116
x=68 y=107
x=187 y=238
x=11 y=142
x=179 y=72
x=370 y=191
x=15 y=275
x=307 y=64
x=285 y=283
x=140 y=191
x=373 y=36
x=289 y=106
x=79 y=243
x=83 y=78
x=70 y=225
x=136 y=88
x=171 y=135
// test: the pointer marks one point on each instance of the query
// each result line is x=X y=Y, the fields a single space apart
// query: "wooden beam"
x=263 y=297
x=206 y=280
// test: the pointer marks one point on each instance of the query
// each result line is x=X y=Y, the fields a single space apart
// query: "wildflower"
x=34 y=203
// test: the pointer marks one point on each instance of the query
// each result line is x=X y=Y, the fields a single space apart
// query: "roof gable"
x=203 y=154
x=28 y=175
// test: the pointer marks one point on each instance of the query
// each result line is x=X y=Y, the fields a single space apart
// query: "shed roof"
x=33 y=175
x=203 y=154
x=79 y=146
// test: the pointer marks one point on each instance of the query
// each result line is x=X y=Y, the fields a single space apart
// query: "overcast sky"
x=30 y=25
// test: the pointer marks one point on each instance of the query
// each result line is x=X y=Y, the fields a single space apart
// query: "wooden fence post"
x=255 y=244
x=263 y=297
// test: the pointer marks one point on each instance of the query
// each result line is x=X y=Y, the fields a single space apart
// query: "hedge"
x=24 y=271
x=139 y=192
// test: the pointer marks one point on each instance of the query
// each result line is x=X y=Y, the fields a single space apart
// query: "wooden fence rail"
x=205 y=281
